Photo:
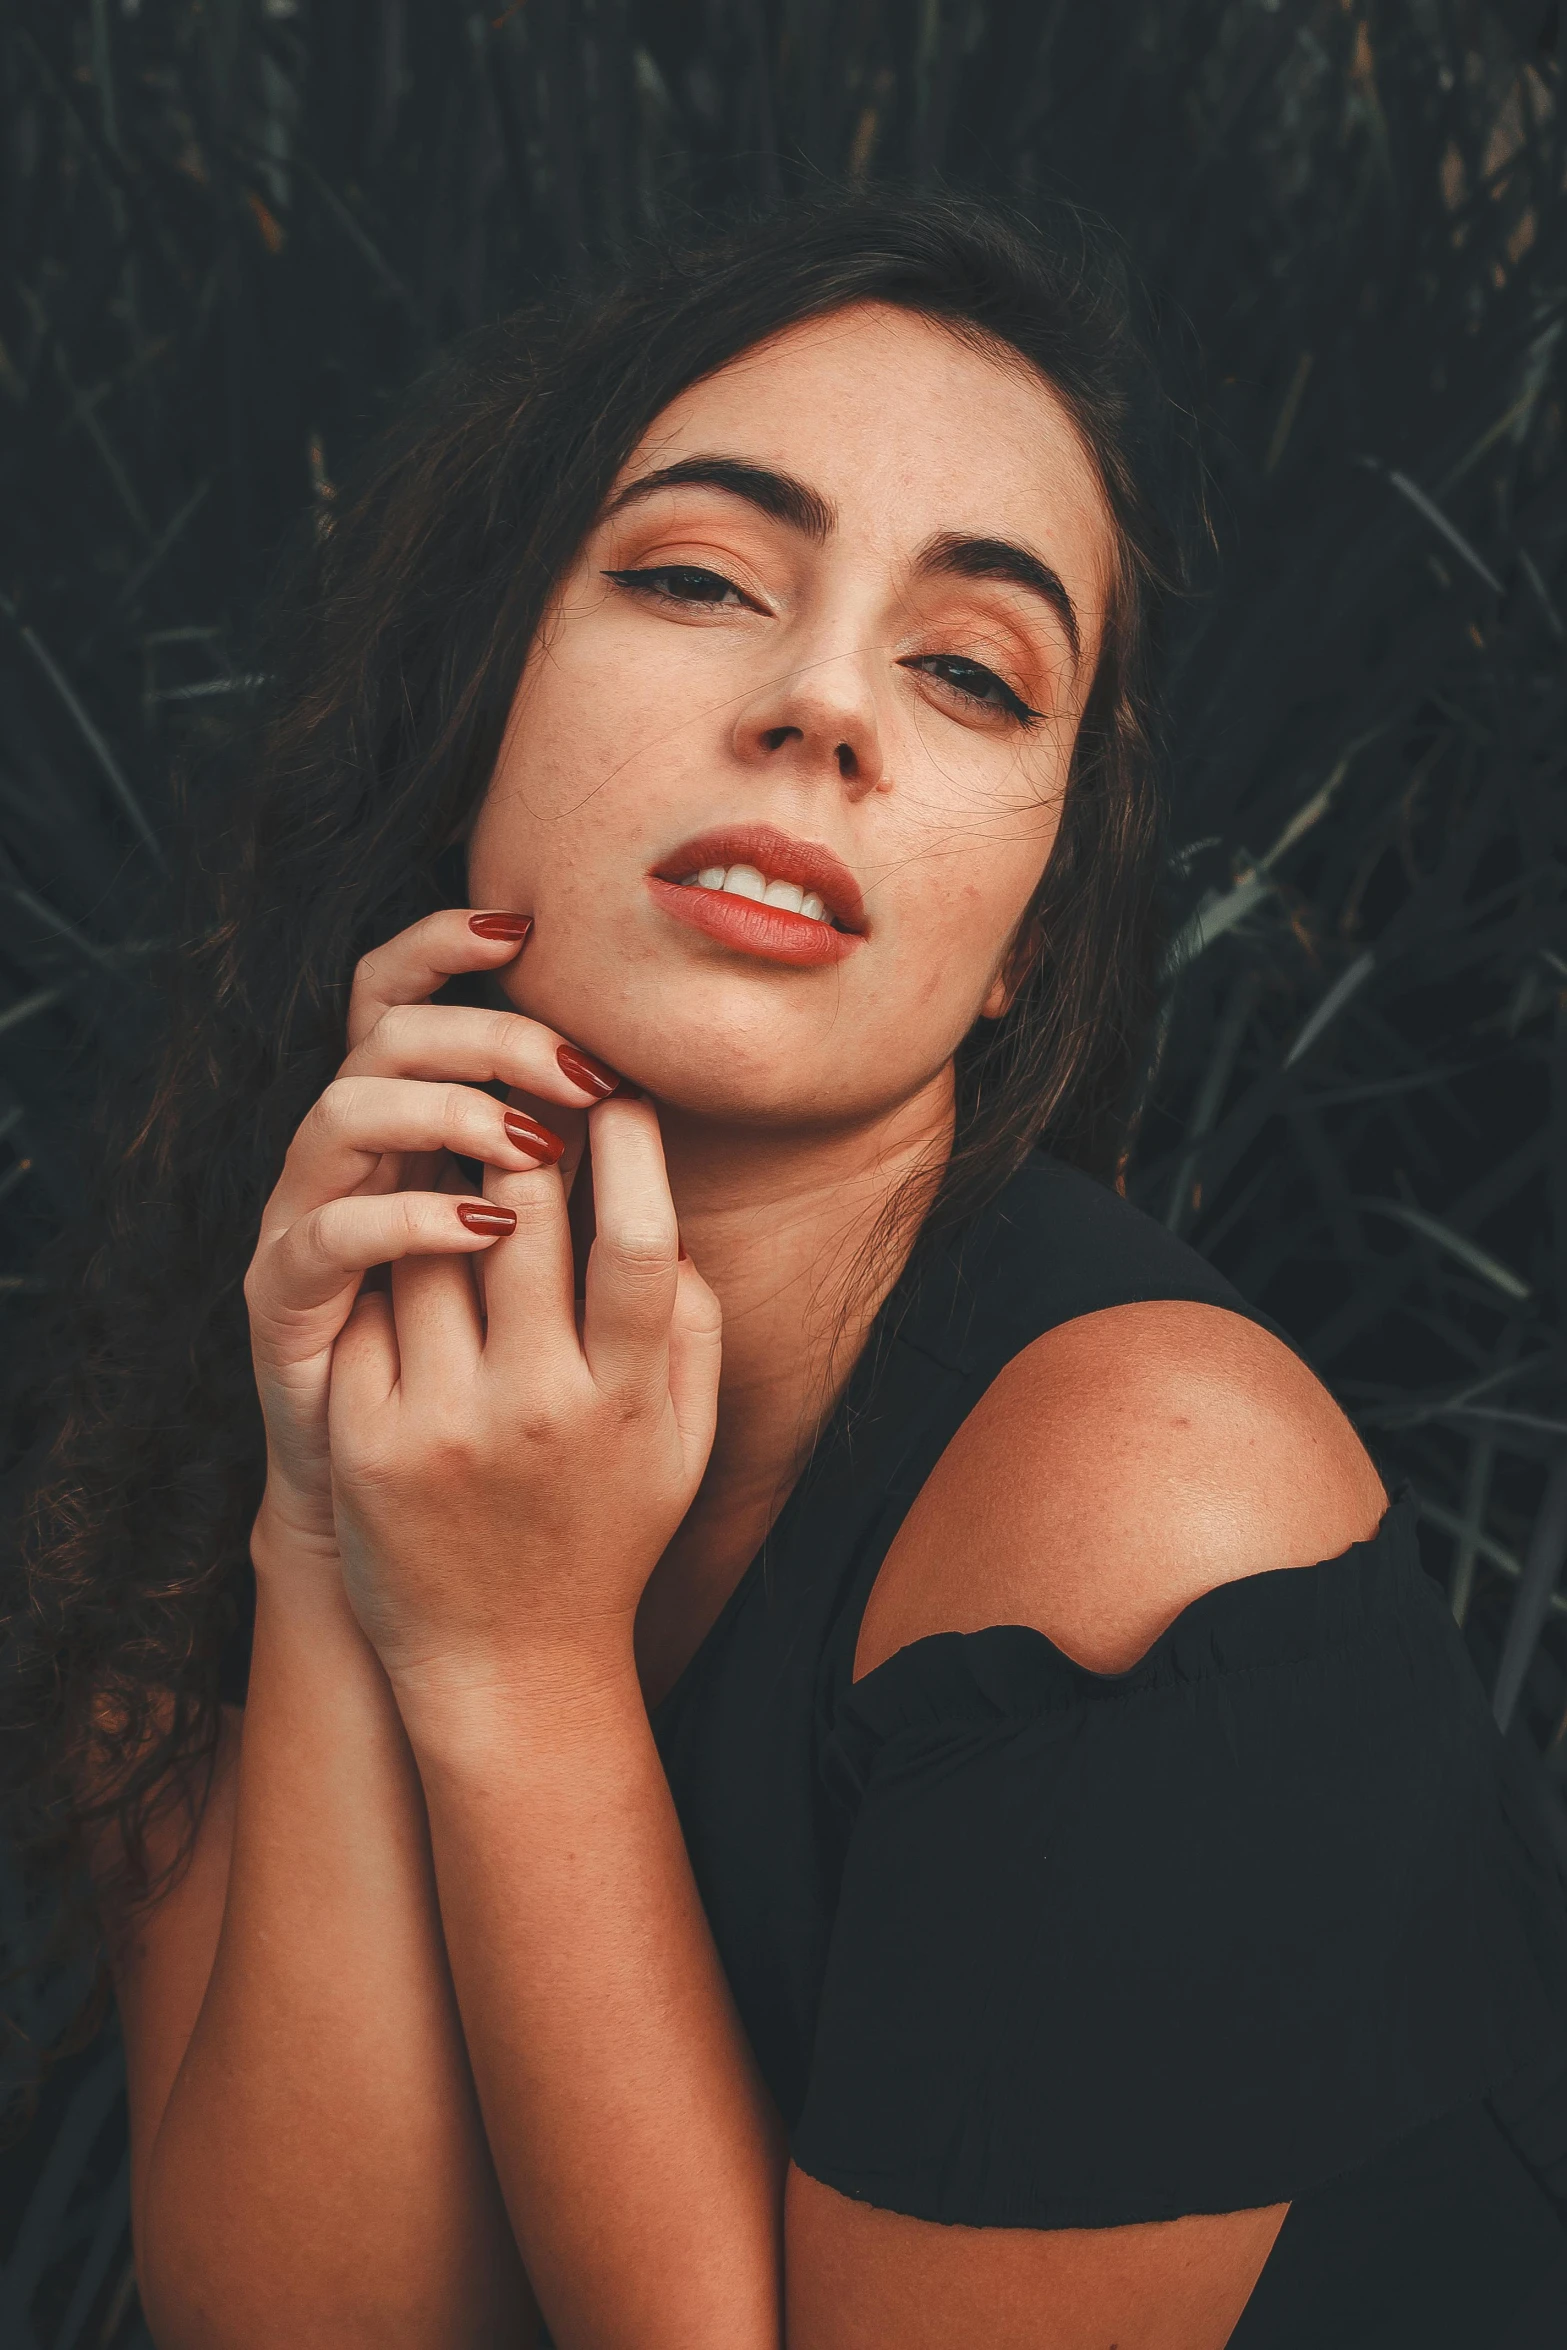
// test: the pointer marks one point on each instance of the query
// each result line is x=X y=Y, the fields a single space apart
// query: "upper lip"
x=774 y=853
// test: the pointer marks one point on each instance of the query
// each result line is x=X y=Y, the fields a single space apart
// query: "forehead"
x=907 y=428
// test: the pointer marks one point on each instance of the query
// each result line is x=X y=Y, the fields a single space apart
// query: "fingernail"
x=511 y=926
x=591 y=1075
x=481 y=1215
x=533 y=1138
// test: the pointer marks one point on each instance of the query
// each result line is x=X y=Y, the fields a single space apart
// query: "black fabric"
x=1197 y=1932
x=1269 y=1917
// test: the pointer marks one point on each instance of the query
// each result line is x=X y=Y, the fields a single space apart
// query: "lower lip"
x=751 y=928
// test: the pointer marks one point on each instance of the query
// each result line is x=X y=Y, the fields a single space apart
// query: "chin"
x=704 y=1080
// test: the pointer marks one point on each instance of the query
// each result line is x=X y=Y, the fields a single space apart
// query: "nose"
x=818 y=720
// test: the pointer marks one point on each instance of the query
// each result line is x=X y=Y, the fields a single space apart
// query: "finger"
x=462 y=1040
x=423 y=957
x=440 y=1336
x=364 y=1370
x=530 y=1325
x=631 y=1277
x=695 y=1353
x=359 y=1120
x=318 y=1258
x=570 y=1125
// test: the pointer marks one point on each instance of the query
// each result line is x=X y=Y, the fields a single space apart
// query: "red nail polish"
x=533 y=1138
x=508 y=926
x=482 y=1215
x=591 y=1075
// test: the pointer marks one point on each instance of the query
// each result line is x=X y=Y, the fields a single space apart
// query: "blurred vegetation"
x=233 y=229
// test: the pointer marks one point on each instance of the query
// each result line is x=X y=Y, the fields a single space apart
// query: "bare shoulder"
x=1117 y=1468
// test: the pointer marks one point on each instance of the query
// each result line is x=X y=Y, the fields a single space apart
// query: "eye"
x=683 y=583
x=972 y=682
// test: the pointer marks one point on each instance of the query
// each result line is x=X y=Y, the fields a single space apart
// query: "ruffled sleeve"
x=1195 y=1937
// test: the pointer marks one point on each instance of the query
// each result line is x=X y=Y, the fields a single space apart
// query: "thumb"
x=696 y=1345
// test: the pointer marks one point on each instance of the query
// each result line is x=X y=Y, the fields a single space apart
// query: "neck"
x=778 y=1223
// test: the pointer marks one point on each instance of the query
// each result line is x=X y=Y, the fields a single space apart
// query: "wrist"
x=288 y=1541
x=550 y=1690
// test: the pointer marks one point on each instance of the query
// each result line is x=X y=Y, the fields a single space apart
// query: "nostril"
x=777 y=736
x=848 y=765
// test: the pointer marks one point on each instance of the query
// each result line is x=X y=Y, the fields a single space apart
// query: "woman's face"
x=831 y=638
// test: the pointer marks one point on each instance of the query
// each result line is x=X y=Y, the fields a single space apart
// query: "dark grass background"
x=233 y=229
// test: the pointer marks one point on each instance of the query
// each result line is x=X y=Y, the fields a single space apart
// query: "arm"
x=642 y=2158
x=503 y=1491
x=309 y=2164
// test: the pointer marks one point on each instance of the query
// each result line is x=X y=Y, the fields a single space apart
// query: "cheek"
x=567 y=769
x=967 y=935
x=569 y=731
x=970 y=867
x=603 y=734
x=950 y=941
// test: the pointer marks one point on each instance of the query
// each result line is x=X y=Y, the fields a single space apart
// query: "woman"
x=840 y=1745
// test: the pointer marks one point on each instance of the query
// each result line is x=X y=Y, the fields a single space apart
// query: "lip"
x=771 y=932
x=781 y=858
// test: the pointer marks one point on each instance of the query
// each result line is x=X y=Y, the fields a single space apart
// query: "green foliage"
x=235 y=228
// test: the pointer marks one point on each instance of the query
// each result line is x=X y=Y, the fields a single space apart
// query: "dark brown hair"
x=396 y=642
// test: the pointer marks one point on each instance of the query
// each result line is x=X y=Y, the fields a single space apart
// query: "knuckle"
x=529 y=1201
x=315 y=1242
x=451 y=1448
x=396 y=1031
x=410 y=1219
x=332 y=1115
x=542 y=1422
x=505 y=1037
x=460 y=1114
x=367 y=974
x=638 y=1251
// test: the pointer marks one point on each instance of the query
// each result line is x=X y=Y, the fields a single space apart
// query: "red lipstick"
x=747 y=924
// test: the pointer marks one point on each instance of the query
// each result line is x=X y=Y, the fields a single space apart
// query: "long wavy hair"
x=392 y=653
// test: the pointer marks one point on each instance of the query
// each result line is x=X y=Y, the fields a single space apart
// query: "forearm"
x=641 y=2157
x=319 y=2174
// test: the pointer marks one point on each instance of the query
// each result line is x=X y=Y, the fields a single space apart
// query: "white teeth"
x=745 y=881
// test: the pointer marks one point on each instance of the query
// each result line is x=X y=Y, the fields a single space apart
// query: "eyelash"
x=1011 y=704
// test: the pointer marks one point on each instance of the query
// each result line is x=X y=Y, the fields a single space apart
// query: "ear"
x=1027 y=945
x=998 y=1001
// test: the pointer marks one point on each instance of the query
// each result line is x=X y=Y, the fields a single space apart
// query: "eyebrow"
x=779 y=495
x=785 y=498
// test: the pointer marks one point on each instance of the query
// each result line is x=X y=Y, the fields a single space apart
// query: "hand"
x=504 y=1484
x=343 y=1202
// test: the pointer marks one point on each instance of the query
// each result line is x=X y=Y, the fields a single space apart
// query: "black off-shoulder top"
x=1269 y=1917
